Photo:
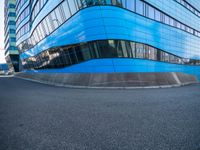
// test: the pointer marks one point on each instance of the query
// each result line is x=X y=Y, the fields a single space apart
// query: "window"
x=94 y=49
x=165 y=56
x=79 y=53
x=72 y=6
x=58 y=15
x=45 y=32
x=11 y=14
x=65 y=9
x=124 y=3
x=124 y=49
x=139 y=7
x=152 y=53
x=47 y=19
x=133 y=48
x=37 y=8
x=106 y=49
x=159 y=55
x=129 y=49
x=166 y=19
x=162 y=17
x=151 y=12
x=12 y=31
x=46 y=27
x=191 y=30
x=12 y=39
x=35 y=37
x=80 y=4
x=84 y=50
x=68 y=55
x=182 y=26
x=117 y=2
x=33 y=40
x=55 y=21
x=72 y=54
x=23 y=30
x=139 y=50
x=40 y=29
x=22 y=16
x=178 y=25
x=105 y=2
x=131 y=5
x=41 y=3
x=146 y=52
x=117 y=45
x=11 y=6
x=171 y=21
x=38 y=34
x=157 y=15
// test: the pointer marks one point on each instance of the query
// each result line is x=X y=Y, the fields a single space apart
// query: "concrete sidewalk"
x=111 y=80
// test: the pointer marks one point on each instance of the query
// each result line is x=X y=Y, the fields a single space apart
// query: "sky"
x=2 y=60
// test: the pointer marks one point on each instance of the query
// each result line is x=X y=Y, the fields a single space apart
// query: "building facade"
x=11 y=51
x=82 y=36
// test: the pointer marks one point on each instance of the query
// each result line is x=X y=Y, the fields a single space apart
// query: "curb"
x=91 y=87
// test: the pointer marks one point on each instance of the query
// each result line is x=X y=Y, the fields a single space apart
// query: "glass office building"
x=11 y=53
x=106 y=36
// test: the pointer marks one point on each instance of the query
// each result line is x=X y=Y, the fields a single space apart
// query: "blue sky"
x=2 y=31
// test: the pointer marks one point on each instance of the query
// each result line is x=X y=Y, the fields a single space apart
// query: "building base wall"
x=111 y=80
x=123 y=65
x=121 y=73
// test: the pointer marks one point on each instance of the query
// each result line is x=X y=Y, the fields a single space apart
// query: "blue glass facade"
x=109 y=35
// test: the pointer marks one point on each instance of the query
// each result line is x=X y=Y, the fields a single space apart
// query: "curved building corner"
x=109 y=36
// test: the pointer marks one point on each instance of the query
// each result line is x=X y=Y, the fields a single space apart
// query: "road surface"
x=35 y=116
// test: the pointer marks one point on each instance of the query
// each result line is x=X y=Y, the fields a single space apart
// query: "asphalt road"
x=34 y=116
